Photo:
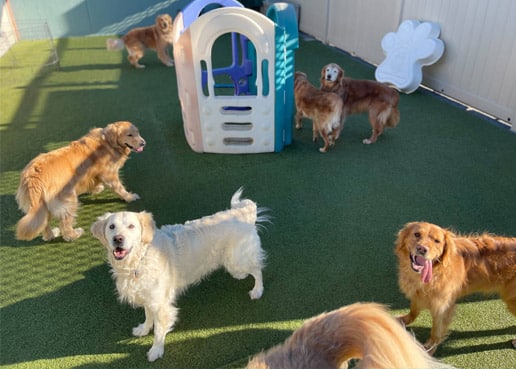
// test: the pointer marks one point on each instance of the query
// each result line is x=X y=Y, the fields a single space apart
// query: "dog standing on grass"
x=323 y=108
x=157 y=37
x=438 y=266
x=152 y=267
x=51 y=183
x=380 y=100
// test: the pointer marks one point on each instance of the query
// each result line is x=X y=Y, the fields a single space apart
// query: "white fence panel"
x=479 y=62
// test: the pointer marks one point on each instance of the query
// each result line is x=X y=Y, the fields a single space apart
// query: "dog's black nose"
x=118 y=239
x=422 y=250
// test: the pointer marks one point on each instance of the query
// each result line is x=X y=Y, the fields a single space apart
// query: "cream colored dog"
x=152 y=266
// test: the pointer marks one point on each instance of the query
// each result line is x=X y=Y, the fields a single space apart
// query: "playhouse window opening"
x=236 y=110
x=237 y=126
x=238 y=141
x=233 y=67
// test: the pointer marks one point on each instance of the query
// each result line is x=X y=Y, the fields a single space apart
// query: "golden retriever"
x=363 y=331
x=324 y=108
x=51 y=182
x=380 y=100
x=157 y=37
x=437 y=266
x=152 y=266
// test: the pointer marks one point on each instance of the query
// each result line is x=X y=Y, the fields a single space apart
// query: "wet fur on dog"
x=323 y=108
x=438 y=266
x=364 y=331
x=157 y=37
x=378 y=99
x=152 y=266
x=51 y=182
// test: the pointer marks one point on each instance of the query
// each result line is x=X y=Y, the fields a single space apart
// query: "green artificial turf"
x=330 y=243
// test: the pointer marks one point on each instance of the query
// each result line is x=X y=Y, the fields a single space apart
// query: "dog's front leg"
x=144 y=328
x=441 y=319
x=298 y=117
x=412 y=315
x=164 y=319
x=165 y=58
x=116 y=185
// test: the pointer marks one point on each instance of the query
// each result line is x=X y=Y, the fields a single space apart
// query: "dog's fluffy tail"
x=364 y=331
x=114 y=44
x=249 y=211
x=30 y=200
x=394 y=117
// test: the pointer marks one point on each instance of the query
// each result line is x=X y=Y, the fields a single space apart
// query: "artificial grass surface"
x=330 y=243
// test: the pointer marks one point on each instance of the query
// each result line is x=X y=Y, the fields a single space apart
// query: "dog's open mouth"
x=423 y=266
x=119 y=253
x=137 y=149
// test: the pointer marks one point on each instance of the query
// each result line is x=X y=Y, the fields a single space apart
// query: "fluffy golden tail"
x=30 y=200
x=364 y=331
x=394 y=117
x=114 y=44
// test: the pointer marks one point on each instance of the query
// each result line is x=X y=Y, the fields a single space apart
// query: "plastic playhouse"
x=248 y=105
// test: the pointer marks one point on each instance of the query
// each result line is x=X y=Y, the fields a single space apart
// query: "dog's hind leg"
x=327 y=141
x=50 y=233
x=135 y=54
x=508 y=295
x=257 y=290
x=377 y=119
x=65 y=209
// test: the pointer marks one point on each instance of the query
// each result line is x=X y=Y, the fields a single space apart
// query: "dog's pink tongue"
x=140 y=149
x=426 y=273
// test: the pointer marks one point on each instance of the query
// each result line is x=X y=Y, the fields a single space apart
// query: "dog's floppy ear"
x=403 y=234
x=148 y=226
x=448 y=247
x=110 y=133
x=340 y=77
x=97 y=228
x=323 y=75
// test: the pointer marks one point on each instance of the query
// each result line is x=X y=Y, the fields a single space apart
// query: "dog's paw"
x=367 y=141
x=50 y=234
x=132 y=197
x=156 y=352
x=256 y=293
x=430 y=346
x=98 y=189
x=141 y=330
x=77 y=232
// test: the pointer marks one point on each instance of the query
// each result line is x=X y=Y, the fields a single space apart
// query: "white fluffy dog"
x=152 y=266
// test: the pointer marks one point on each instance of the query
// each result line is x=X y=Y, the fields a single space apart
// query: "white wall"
x=479 y=62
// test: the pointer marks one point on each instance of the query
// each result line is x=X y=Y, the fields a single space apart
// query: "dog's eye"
x=130 y=226
x=130 y=135
x=437 y=241
x=111 y=226
x=417 y=234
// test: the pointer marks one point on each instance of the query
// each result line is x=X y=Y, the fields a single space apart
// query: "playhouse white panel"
x=258 y=118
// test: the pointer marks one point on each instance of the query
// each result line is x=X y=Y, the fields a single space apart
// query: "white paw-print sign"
x=414 y=45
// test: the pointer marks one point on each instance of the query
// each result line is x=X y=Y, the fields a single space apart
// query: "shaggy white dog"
x=152 y=266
